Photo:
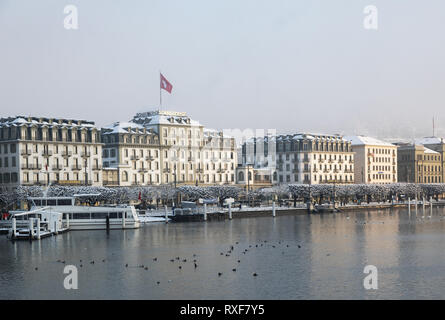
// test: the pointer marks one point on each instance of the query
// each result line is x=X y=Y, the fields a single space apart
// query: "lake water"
x=408 y=251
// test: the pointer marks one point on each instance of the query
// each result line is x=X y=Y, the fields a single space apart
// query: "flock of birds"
x=194 y=260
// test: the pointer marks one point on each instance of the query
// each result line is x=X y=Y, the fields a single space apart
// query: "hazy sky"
x=291 y=65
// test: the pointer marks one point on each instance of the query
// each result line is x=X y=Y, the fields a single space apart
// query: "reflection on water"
x=334 y=249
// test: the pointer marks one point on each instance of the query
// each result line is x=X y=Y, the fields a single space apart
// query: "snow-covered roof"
x=46 y=122
x=123 y=127
x=364 y=140
x=429 y=140
x=430 y=151
x=158 y=117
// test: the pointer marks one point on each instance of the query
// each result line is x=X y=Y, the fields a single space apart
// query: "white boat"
x=88 y=217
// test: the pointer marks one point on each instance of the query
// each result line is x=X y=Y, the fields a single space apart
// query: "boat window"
x=81 y=215
x=51 y=202
x=114 y=215
x=64 y=202
x=37 y=202
x=99 y=215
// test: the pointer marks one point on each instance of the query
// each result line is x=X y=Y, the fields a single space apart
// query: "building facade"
x=375 y=160
x=42 y=151
x=437 y=144
x=302 y=158
x=131 y=155
x=175 y=149
x=418 y=164
x=314 y=159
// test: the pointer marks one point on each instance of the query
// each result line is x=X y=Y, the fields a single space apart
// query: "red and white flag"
x=165 y=84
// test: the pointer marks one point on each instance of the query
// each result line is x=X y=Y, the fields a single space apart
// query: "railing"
x=57 y=167
x=76 y=167
x=134 y=157
x=97 y=167
x=47 y=153
x=111 y=182
x=31 y=166
x=25 y=152
x=142 y=170
x=85 y=154
x=149 y=158
x=67 y=153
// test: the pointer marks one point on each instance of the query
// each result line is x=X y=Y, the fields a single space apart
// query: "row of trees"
x=167 y=194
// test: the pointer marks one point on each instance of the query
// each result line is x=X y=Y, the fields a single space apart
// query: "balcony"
x=166 y=170
x=47 y=153
x=306 y=181
x=336 y=171
x=25 y=152
x=110 y=183
x=340 y=160
x=199 y=170
x=76 y=167
x=97 y=167
x=306 y=170
x=31 y=166
x=134 y=157
x=321 y=160
x=295 y=170
x=67 y=153
x=305 y=159
x=351 y=161
x=56 y=167
x=85 y=154
x=142 y=170
x=330 y=161
x=149 y=158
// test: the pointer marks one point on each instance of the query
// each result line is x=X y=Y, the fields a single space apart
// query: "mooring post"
x=431 y=206
x=107 y=222
x=14 y=227
x=273 y=209
x=67 y=220
x=416 y=205
x=31 y=226
x=409 y=206
x=230 y=211
x=166 y=214
x=123 y=219
x=205 y=211
x=38 y=228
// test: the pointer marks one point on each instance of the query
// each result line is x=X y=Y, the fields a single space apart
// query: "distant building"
x=38 y=150
x=314 y=158
x=375 y=160
x=305 y=158
x=418 y=164
x=438 y=145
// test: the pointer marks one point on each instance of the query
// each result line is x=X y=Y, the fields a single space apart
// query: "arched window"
x=125 y=176
x=250 y=175
x=241 y=176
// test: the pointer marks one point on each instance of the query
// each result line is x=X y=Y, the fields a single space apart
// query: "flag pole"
x=160 y=91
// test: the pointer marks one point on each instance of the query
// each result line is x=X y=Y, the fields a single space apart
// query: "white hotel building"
x=375 y=160
x=36 y=151
x=165 y=147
